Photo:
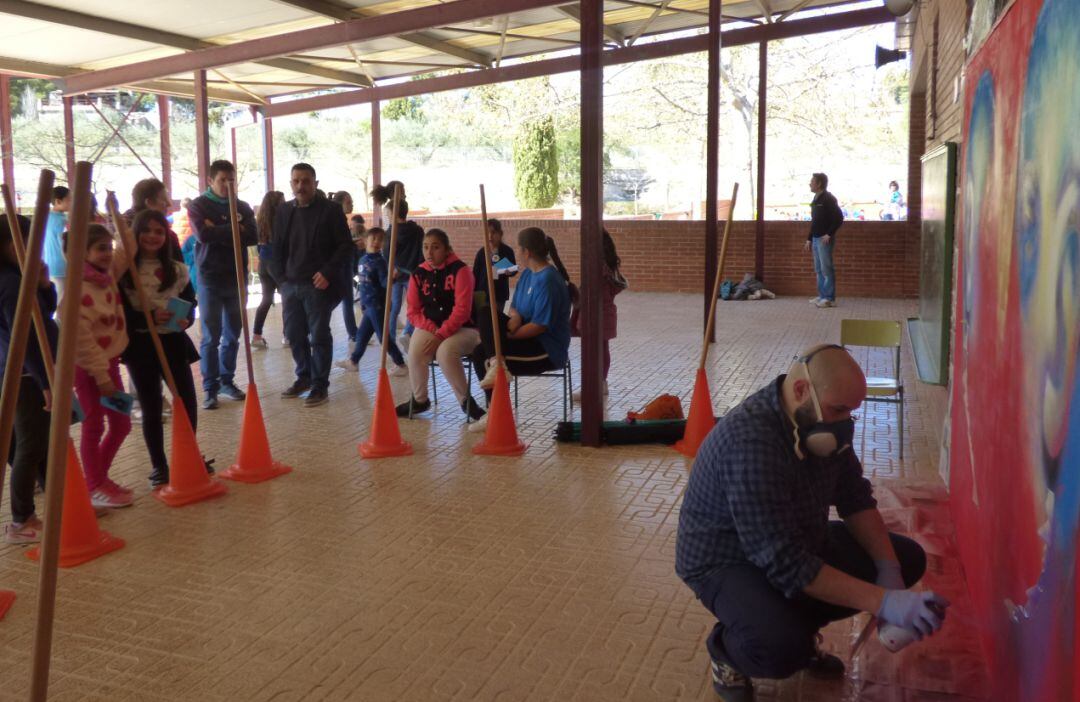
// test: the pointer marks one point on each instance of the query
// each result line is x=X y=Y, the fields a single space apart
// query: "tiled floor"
x=448 y=576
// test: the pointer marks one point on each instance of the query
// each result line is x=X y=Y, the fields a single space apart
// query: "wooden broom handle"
x=496 y=333
x=241 y=282
x=60 y=421
x=710 y=324
x=396 y=200
x=35 y=311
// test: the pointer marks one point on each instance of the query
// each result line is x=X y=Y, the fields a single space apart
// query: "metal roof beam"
x=566 y=64
x=610 y=33
x=104 y=25
x=428 y=41
x=37 y=69
x=351 y=32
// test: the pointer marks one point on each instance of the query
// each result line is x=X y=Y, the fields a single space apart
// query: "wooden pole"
x=241 y=282
x=35 y=311
x=60 y=422
x=390 y=275
x=131 y=247
x=20 y=326
x=710 y=323
x=490 y=281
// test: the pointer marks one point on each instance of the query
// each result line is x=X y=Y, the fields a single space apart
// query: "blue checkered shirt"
x=751 y=500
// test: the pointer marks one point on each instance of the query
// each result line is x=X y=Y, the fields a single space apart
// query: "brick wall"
x=873 y=259
x=944 y=114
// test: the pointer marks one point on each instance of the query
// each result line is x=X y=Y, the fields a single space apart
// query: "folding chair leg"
x=434 y=387
x=515 y=392
x=900 y=422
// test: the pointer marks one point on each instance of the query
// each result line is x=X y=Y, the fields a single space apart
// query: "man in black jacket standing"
x=311 y=244
x=825 y=218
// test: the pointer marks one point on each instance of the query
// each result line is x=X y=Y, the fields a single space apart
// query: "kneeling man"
x=755 y=543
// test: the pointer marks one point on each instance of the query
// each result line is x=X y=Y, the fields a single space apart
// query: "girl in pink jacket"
x=440 y=302
x=102 y=336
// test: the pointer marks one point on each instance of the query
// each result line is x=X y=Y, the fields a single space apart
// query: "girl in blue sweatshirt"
x=373 y=282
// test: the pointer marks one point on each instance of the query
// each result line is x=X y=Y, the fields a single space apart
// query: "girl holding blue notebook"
x=171 y=297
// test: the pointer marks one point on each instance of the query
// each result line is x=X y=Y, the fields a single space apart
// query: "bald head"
x=837 y=379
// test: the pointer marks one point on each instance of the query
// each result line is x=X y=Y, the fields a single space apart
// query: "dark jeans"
x=766 y=635
x=523 y=356
x=372 y=324
x=269 y=287
x=146 y=376
x=397 y=299
x=29 y=448
x=348 y=314
x=219 y=312
x=307 y=327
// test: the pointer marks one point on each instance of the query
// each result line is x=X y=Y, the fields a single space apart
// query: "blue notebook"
x=119 y=402
x=179 y=309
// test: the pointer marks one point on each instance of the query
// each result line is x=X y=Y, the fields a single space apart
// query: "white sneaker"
x=258 y=342
x=347 y=364
x=577 y=393
x=284 y=342
x=103 y=498
x=397 y=371
x=479 y=425
x=815 y=300
x=825 y=303
x=403 y=342
x=488 y=381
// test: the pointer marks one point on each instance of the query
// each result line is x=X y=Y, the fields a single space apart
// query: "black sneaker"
x=159 y=476
x=407 y=409
x=728 y=683
x=824 y=666
x=316 y=398
x=469 y=407
x=210 y=403
x=296 y=389
x=232 y=392
x=209 y=463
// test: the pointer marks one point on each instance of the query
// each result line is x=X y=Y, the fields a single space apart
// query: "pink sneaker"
x=107 y=498
x=118 y=488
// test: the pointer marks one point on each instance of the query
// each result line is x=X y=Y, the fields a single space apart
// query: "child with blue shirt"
x=373 y=282
x=536 y=334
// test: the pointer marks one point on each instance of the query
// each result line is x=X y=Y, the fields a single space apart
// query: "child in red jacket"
x=440 y=301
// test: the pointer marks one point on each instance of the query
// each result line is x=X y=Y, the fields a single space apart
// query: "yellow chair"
x=876 y=333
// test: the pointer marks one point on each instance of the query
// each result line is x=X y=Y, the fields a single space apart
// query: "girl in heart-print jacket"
x=102 y=337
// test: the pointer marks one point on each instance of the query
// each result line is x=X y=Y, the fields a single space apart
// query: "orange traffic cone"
x=501 y=437
x=254 y=463
x=188 y=480
x=385 y=438
x=7 y=598
x=701 y=419
x=80 y=538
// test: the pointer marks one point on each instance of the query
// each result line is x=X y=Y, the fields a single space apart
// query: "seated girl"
x=536 y=334
x=440 y=300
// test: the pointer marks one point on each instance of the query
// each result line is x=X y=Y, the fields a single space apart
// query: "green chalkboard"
x=929 y=331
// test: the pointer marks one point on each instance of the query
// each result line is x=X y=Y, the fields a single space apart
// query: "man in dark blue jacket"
x=311 y=244
x=219 y=298
x=825 y=218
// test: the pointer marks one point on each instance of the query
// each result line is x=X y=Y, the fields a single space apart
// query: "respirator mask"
x=822 y=439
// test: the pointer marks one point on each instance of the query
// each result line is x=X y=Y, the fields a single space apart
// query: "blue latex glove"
x=921 y=613
x=889 y=575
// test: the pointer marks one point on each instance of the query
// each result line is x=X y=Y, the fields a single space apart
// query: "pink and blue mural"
x=1015 y=452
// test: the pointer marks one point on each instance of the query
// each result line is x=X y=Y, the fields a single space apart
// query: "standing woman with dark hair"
x=536 y=334
x=614 y=283
x=264 y=224
x=348 y=299
x=162 y=277
x=383 y=196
